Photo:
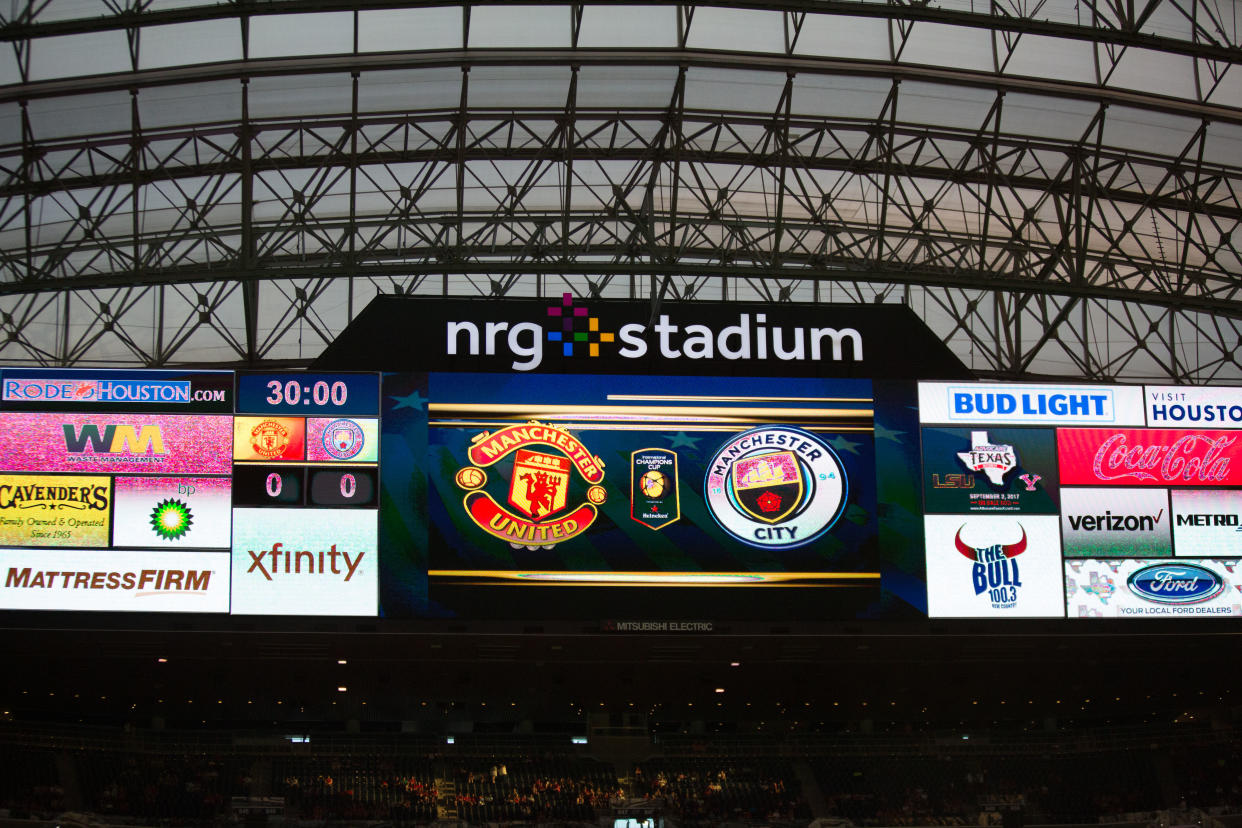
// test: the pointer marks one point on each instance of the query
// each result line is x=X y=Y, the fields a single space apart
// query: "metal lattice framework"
x=1054 y=186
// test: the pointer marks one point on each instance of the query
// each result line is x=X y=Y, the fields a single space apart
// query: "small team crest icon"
x=343 y=439
x=654 y=500
x=768 y=487
x=539 y=483
x=269 y=439
x=775 y=487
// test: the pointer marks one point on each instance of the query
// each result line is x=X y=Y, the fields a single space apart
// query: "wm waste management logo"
x=775 y=487
x=545 y=460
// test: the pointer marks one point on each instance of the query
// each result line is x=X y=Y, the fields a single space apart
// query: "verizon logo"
x=281 y=561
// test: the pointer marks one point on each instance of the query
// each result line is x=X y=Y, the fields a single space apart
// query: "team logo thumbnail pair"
x=773 y=487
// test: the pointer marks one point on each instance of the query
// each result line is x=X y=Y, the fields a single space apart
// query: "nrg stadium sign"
x=568 y=334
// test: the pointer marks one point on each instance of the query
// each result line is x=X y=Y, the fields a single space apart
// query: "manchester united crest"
x=775 y=487
x=269 y=439
x=548 y=471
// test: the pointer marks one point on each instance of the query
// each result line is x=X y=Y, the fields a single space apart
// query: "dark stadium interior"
x=411 y=725
x=504 y=681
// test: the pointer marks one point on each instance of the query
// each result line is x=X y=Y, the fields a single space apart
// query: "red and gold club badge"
x=269 y=439
x=546 y=462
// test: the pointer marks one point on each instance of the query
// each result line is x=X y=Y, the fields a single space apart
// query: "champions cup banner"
x=569 y=334
x=1149 y=457
x=64 y=389
x=119 y=443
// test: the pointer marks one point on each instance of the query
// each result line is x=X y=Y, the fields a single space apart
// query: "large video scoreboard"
x=205 y=492
x=615 y=499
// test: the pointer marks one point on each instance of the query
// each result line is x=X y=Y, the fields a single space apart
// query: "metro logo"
x=115 y=439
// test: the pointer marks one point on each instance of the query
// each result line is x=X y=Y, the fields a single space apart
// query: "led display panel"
x=1145 y=588
x=120 y=494
x=1145 y=484
x=616 y=497
x=304 y=562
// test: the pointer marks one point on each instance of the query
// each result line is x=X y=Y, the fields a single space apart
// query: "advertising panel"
x=342 y=440
x=89 y=389
x=116 y=443
x=994 y=566
x=990 y=470
x=1207 y=523
x=172 y=512
x=305 y=562
x=61 y=510
x=1153 y=588
x=1149 y=457
x=269 y=439
x=1172 y=406
x=1012 y=404
x=1124 y=523
x=114 y=581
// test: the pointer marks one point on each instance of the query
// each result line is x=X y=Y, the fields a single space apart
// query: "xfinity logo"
x=278 y=560
x=572 y=331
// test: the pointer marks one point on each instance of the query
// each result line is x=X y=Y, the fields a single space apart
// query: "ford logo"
x=1176 y=583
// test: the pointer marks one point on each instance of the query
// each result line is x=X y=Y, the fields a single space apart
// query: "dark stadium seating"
x=169 y=778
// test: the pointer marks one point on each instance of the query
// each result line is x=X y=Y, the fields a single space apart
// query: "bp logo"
x=776 y=487
x=171 y=519
x=543 y=464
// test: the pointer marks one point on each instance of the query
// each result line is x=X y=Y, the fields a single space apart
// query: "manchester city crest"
x=343 y=439
x=775 y=487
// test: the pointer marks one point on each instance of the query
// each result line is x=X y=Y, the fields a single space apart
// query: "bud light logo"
x=1176 y=584
x=995 y=570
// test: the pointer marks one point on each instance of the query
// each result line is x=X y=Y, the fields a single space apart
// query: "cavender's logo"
x=539 y=485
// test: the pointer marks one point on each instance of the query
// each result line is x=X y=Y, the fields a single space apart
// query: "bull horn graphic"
x=962 y=547
x=1014 y=549
x=1010 y=550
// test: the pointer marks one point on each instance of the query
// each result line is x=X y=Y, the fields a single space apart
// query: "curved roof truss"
x=1055 y=187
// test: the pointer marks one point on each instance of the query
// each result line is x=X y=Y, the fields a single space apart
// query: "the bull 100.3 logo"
x=540 y=482
x=775 y=487
x=995 y=570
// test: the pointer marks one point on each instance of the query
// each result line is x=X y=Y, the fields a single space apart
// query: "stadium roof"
x=1054 y=186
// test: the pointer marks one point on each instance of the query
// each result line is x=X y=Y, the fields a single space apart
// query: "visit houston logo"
x=571 y=330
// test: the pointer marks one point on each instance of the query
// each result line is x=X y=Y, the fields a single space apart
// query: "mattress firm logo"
x=571 y=331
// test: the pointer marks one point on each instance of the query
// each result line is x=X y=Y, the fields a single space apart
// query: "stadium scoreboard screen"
x=679 y=499
x=203 y=492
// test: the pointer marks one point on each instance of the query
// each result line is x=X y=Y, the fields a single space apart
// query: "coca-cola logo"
x=1191 y=458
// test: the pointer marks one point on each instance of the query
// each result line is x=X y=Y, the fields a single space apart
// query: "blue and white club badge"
x=775 y=487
